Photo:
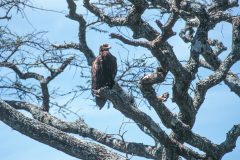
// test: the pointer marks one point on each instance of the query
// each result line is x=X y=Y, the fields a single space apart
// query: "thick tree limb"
x=184 y=78
x=231 y=80
x=217 y=17
x=170 y=119
x=221 y=73
x=219 y=47
x=121 y=103
x=222 y=5
x=204 y=64
x=84 y=130
x=211 y=61
x=230 y=143
x=180 y=84
x=53 y=137
x=166 y=5
x=176 y=68
x=212 y=80
x=148 y=92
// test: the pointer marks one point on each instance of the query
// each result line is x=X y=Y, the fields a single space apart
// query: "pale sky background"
x=216 y=117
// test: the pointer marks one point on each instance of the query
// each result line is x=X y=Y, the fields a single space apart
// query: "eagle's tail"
x=101 y=102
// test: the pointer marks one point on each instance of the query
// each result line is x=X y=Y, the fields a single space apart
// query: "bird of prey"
x=103 y=72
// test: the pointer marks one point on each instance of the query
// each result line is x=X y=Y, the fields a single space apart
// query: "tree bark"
x=53 y=137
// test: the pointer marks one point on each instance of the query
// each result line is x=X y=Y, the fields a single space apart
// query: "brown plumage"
x=103 y=72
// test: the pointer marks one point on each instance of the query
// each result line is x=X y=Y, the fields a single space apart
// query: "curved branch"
x=204 y=64
x=219 y=47
x=163 y=4
x=59 y=70
x=83 y=47
x=213 y=79
x=43 y=82
x=103 y=16
x=221 y=73
x=19 y=73
x=84 y=130
x=45 y=106
x=140 y=28
x=53 y=137
x=222 y=5
x=124 y=104
x=172 y=65
x=230 y=143
x=187 y=38
x=145 y=44
x=217 y=17
x=211 y=61
x=198 y=46
x=170 y=119
x=231 y=80
x=149 y=93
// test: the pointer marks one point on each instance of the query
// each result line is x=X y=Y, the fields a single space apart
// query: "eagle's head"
x=104 y=47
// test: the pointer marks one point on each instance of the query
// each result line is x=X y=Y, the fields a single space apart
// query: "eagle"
x=103 y=72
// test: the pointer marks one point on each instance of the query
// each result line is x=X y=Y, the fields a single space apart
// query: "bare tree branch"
x=19 y=73
x=82 y=46
x=53 y=137
x=221 y=73
x=128 y=109
x=84 y=130
x=43 y=82
x=230 y=143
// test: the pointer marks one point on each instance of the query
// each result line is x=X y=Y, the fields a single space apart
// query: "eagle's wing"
x=96 y=79
x=113 y=69
x=95 y=73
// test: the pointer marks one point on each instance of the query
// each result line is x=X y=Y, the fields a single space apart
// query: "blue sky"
x=216 y=117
